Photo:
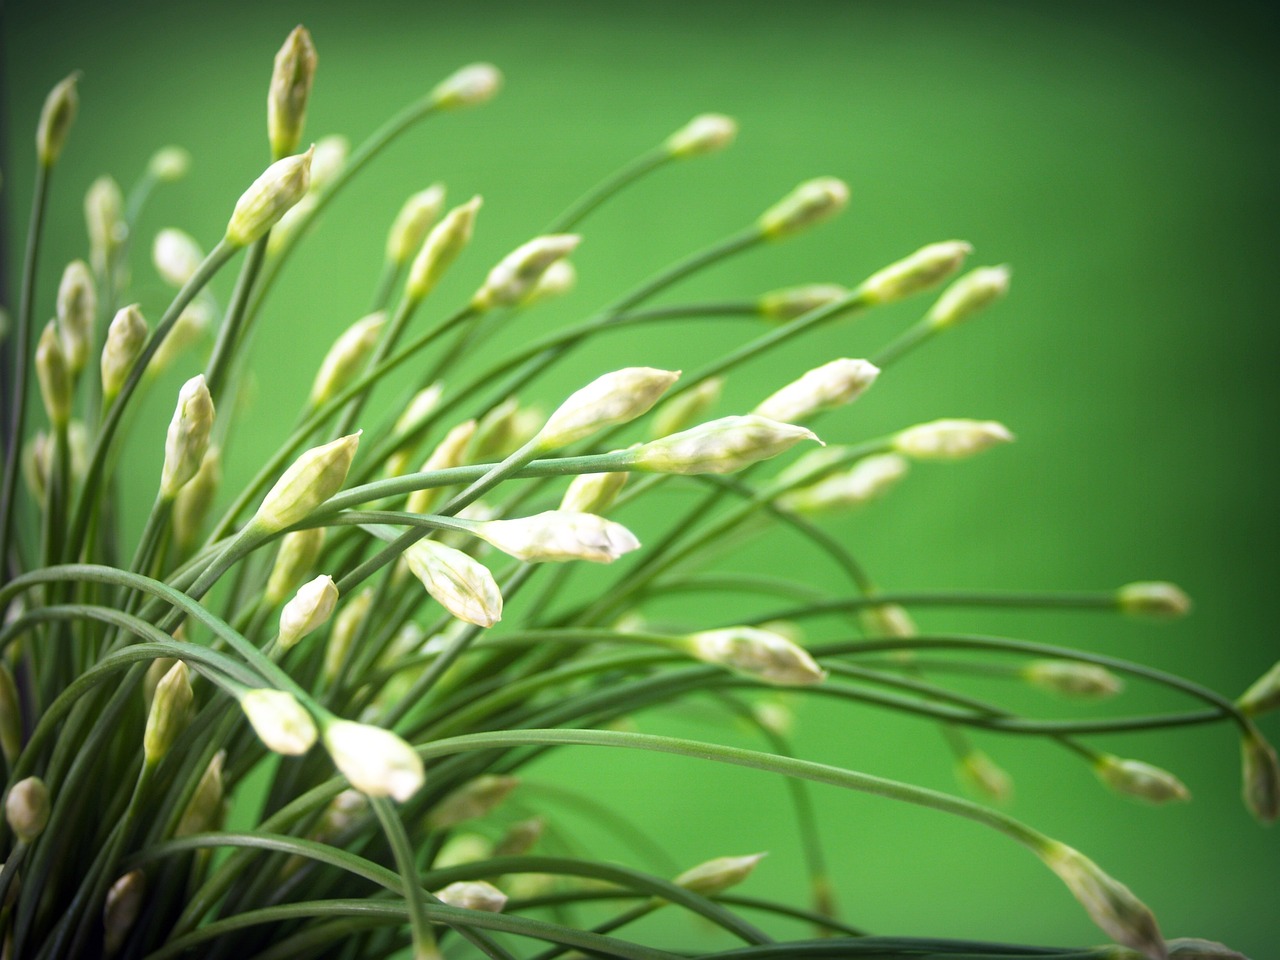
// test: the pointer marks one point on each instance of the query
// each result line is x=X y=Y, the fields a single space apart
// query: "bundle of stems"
x=321 y=655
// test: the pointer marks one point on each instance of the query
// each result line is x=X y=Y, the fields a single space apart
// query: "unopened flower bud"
x=346 y=358
x=311 y=480
x=758 y=653
x=346 y=626
x=1263 y=695
x=155 y=673
x=558 y=279
x=1138 y=779
x=1193 y=948
x=792 y=302
x=984 y=777
x=188 y=437
x=720 y=446
x=413 y=221
x=520 y=271
x=37 y=456
x=309 y=609
x=520 y=837
x=191 y=326
x=705 y=133
x=471 y=86
x=27 y=808
x=685 y=409
x=592 y=492
x=461 y=584
x=169 y=714
x=54 y=374
x=494 y=436
x=831 y=385
x=56 y=117
x=869 y=478
x=191 y=505
x=279 y=720
x=463 y=848
x=969 y=295
x=340 y=814
x=614 y=398
x=1261 y=777
x=716 y=876
x=1162 y=601
x=10 y=716
x=925 y=268
x=555 y=536
x=126 y=337
x=330 y=158
x=888 y=620
x=446 y=240
x=450 y=452
x=205 y=808
x=169 y=164
x=807 y=205
x=260 y=207
x=1070 y=678
x=176 y=256
x=471 y=801
x=120 y=910
x=104 y=222
x=297 y=555
x=375 y=761
x=77 y=312
x=951 y=439
x=473 y=895
x=421 y=406
x=295 y=69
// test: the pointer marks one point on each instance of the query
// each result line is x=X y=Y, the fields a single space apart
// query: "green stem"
x=233 y=330
x=411 y=889
x=638 y=168
x=938 y=598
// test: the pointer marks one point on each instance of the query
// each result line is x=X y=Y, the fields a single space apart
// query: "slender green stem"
x=1105 y=601
x=578 y=211
x=233 y=330
x=423 y=938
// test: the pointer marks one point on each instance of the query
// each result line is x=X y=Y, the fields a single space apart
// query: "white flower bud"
x=555 y=536
x=558 y=279
x=311 y=480
x=792 y=302
x=1263 y=694
x=951 y=439
x=192 y=325
x=471 y=801
x=176 y=256
x=473 y=895
x=1070 y=678
x=295 y=558
x=279 y=720
x=807 y=205
x=449 y=452
x=169 y=164
x=412 y=223
x=1261 y=777
x=984 y=777
x=758 y=653
x=54 y=374
x=463 y=848
x=1163 y=601
x=191 y=505
x=121 y=908
x=685 y=409
x=705 y=133
x=516 y=274
x=126 y=336
x=1138 y=779
x=446 y=240
x=188 y=437
x=56 y=117
x=295 y=69
x=869 y=478
x=520 y=837
x=155 y=673
x=888 y=620
x=614 y=398
x=309 y=610
x=831 y=385
x=343 y=635
x=376 y=761
x=205 y=809
x=77 y=311
x=720 y=446
x=169 y=714
x=592 y=492
x=260 y=207
x=969 y=295
x=104 y=222
x=716 y=876
x=471 y=86
x=462 y=585
x=27 y=808
x=330 y=158
x=925 y=268
x=421 y=406
x=346 y=358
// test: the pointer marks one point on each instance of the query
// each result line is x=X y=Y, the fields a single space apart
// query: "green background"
x=1123 y=160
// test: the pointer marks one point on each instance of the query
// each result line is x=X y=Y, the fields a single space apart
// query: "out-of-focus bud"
x=205 y=809
x=346 y=358
x=831 y=385
x=785 y=305
x=1263 y=695
x=450 y=452
x=56 y=117
x=969 y=295
x=176 y=256
x=346 y=626
x=295 y=69
x=519 y=272
x=720 y=446
x=984 y=777
x=120 y=910
x=554 y=536
x=869 y=478
x=309 y=609
x=925 y=268
x=951 y=439
x=758 y=653
x=191 y=505
x=685 y=409
x=104 y=222
x=36 y=460
x=311 y=480
x=1070 y=678
x=1261 y=777
x=557 y=281
x=279 y=720
x=260 y=207
x=716 y=876
x=169 y=714
x=421 y=406
x=1162 y=601
x=471 y=801
x=471 y=86
x=473 y=895
x=376 y=761
x=593 y=492
x=705 y=133
x=10 y=716
x=27 y=808
x=155 y=673
x=1193 y=948
x=1138 y=779
x=169 y=164
x=888 y=620
x=54 y=374
x=520 y=838
x=191 y=326
x=463 y=848
x=411 y=224
x=446 y=240
x=340 y=814
x=126 y=337
x=614 y=398
x=77 y=310
x=462 y=585
x=297 y=555
x=330 y=158
x=188 y=437
x=807 y=205
x=495 y=431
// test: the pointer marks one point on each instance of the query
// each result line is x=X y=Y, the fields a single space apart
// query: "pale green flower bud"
x=155 y=673
x=807 y=205
x=126 y=336
x=446 y=240
x=309 y=610
x=27 y=808
x=969 y=295
x=758 y=653
x=77 y=311
x=375 y=761
x=462 y=585
x=412 y=223
x=473 y=895
x=295 y=69
x=519 y=272
x=705 y=133
x=169 y=164
x=279 y=720
x=984 y=777
x=1162 y=601
x=792 y=302
x=191 y=505
x=104 y=222
x=592 y=492
x=294 y=219
x=471 y=86
x=330 y=158
x=54 y=374
x=716 y=876
x=297 y=555
x=311 y=480
x=56 y=117
x=720 y=446
x=868 y=479
x=558 y=280
x=685 y=409
x=205 y=809
x=450 y=452
x=520 y=838
x=1193 y=948
x=1138 y=779
x=495 y=433
x=37 y=455
x=614 y=398
x=188 y=437
x=121 y=908
x=10 y=716
x=1261 y=777
x=925 y=268
x=421 y=406
x=888 y=620
x=192 y=325
x=951 y=439
x=1070 y=678
x=471 y=801
x=1264 y=694
x=463 y=848
x=346 y=358
x=169 y=714
x=260 y=207
x=555 y=536
x=346 y=626
x=831 y=385
x=341 y=812
x=176 y=256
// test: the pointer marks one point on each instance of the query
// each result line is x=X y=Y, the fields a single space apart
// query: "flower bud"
x=126 y=336
x=10 y=716
x=188 y=437
x=346 y=626
x=716 y=876
x=120 y=910
x=330 y=158
x=720 y=446
x=295 y=69
x=37 y=455
x=463 y=848
x=421 y=406
x=176 y=256
x=494 y=436
x=1261 y=777
x=471 y=801
x=462 y=585
x=785 y=305
x=969 y=295
x=450 y=452
x=341 y=813
x=376 y=761
x=191 y=326
x=412 y=223
x=1138 y=779
x=191 y=505
x=951 y=439
x=309 y=609
x=1193 y=948
x=925 y=268
x=1070 y=678
x=1263 y=695
x=831 y=385
x=473 y=895
x=155 y=673
x=519 y=272
x=311 y=480
x=869 y=478
x=279 y=720
x=888 y=620
x=105 y=223
x=758 y=653
x=27 y=808
x=614 y=398
x=297 y=555
x=807 y=205
x=54 y=374
x=685 y=409
x=346 y=358
x=471 y=86
x=520 y=838
x=446 y=240
x=77 y=311
x=205 y=809
x=260 y=207
x=56 y=117
x=169 y=164
x=592 y=492
x=983 y=776
x=169 y=714
x=555 y=536
x=705 y=133
x=1162 y=601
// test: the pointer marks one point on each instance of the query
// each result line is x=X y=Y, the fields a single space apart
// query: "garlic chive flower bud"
x=77 y=311
x=1110 y=903
x=347 y=356
x=54 y=374
x=807 y=205
x=346 y=626
x=279 y=720
x=716 y=876
x=27 y=808
x=56 y=117
x=1162 y=601
x=449 y=452
x=191 y=505
x=188 y=438
x=204 y=810
x=888 y=620
x=375 y=761
x=191 y=326
x=169 y=164
x=473 y=895
x=951 y=439
x=516 y=274
x=614 y=398
x=330 y=158
x=969 y=295
x=1069 y=678
x=10 y=716
x=1261 y=777
x=104 y=222
x=495 y=432
x=520 y=838
x=831 y=385
x=1263 y=694
x=169 y=714
x=557 y=281
x=155 y=673
x=592 y=492
x=295 y=69
x=705 y=133
x=260 y=207
x=758 y=653
x=984 y=777
x=463 y=848
x=471 y=86
x=787 y=304
x=1138 y=779
x=411 y=224
x=461 y=584
x=555 y=536
x=471 y=801
x=176 y=256
x=925 y=268
x=1193 y=948
x=126 y=336
x=294 y=560
x=120 y=910
x=422 y=405
x=446 y=240
x=309 y=609
x=311 y=480
x=868 y=479
x=719 y=446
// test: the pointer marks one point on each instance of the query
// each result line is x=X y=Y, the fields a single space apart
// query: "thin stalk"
x=234 y=326
x=424 y=940
x=581 y=208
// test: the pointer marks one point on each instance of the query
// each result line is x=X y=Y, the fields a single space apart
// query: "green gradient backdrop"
x=1124 y=163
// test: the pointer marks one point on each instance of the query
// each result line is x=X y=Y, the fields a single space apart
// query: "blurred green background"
x=1122 y=158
